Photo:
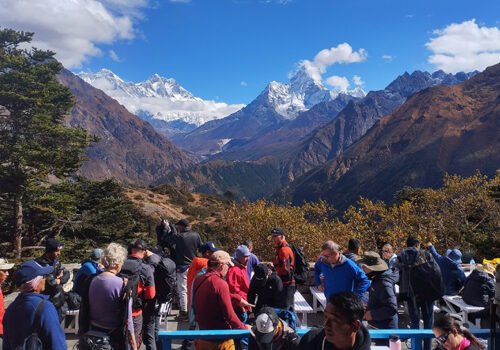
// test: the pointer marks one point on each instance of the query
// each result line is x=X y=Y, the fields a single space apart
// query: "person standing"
x=4 y=273
x=253 y=260
x=32 y=311
x=266 y=289
x=212 y=302
x=453 y=274
x=340 y=274
x=284 y=263
x=353 y=249
x=165 y=233
x=59 y=276
x=90 y=267
x=238 y=282
x=389 y=256
x=187 y=243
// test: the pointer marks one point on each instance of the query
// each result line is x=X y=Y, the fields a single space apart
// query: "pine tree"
x=34 y=142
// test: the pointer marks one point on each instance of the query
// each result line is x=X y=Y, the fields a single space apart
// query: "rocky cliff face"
x=445 y=129
x=128 y=149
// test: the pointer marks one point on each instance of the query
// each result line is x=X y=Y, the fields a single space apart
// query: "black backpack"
x=426 y=282
x=131 y=270
x=33 y=341
x=165 y=280
x=301 y=267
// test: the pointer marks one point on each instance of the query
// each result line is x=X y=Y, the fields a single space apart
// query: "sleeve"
x=227 y=308
x=388 y=302
x=317 y=273
x=362 y=282
x=234 y=286
x=50 y=329
x=252 y=292
x=435 y=254
x=130 y=323
x=149 y=283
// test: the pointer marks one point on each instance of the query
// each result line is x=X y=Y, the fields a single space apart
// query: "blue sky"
x=229 y=50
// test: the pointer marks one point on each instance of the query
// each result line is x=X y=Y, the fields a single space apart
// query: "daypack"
x=165 y=280
x=288 y=316
x=301 y=267
x=131 y=270
x=425 y=280
x=33 y=341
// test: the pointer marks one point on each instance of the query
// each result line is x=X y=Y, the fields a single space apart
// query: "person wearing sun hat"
x=382 y=309
x=19 y=318
x=453 y=275
x=272 y=333
x=5 y=266
x=479 y=288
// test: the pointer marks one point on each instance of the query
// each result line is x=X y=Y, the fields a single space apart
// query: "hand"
x=368 y=315
x=245 y=305
x=321 y=288
x=429 y=244
x=149 y=253
x=249 y=327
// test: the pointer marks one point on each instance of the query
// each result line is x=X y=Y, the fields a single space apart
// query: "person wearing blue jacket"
x=339 y=273
x=453 y=275
x=19 y=320
x=90 y=267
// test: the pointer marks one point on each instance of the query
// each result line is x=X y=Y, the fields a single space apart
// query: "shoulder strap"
x=38 y=314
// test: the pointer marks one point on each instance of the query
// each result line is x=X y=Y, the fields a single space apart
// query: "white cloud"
x=357 y=80
x=387 y=58
x=73 y=29
x=243 y=83
x=342 y=53
x=340 y=84
x=464 y=47
x=113 y=55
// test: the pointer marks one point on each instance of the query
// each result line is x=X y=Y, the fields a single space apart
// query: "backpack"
x=425 y=280
x=165 y=280
x=288 y=316
x=131 y=270
x=301 y=267
x=33 y=341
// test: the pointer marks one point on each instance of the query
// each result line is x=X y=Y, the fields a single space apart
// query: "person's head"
x=249 y=244
x=267 y=326
x=220 y=261
x=182 y=225
x=330 y=251
x=354 y=246
x=412 y=242
x=53 y=249
x=5 y=266
x=96 y=255
x=30 y=277
x=242 y=254
x=113 y=257
x=372 y=264
x=278 y=236
x=387 y=251
x=207 y=249
x=260 y=273
x=138 y=248
x=449 y=333
x=454 y=255
x=342 y=319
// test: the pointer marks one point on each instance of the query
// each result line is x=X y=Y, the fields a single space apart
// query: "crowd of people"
x=119 y=292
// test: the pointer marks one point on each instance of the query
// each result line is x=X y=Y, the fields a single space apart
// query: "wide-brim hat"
x=455 y=255
x=488 y=268
x=5 y=265
x=373 y=261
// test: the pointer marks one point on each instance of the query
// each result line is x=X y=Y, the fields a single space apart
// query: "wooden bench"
x=72 y=325
x=318 y=297
x=302 y=307
x=457 y=307
x=165 y=310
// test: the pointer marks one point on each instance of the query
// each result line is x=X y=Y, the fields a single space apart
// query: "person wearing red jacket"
x=237 y=279
x=284 y=263
x=4 y=273
x=212 y=302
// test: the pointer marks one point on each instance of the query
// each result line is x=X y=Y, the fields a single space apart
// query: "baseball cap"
x=221 y=257
x=241 y=251
x=208 y=246
x=277 y=231
x=260 y=272
x=52 y=245
x=96 y=254
x=29 y=270
x=265 y=325
x=183 y=222
x=5 y=265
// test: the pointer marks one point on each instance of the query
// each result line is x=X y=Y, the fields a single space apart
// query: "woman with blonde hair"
x=451 y=335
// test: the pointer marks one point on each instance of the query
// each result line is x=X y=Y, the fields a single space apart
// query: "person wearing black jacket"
x=165 y=234
x=54 y=281
x=382 y=310
x=342 y=326
x=479 y=288
x=265 y=289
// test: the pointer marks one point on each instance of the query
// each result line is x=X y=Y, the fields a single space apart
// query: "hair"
x=388 y=245
x=412 y=241
x=349 y=304
x=331 y=246
x=354 y=244
x=448 y=323
x=247 y=242
x=114 y=254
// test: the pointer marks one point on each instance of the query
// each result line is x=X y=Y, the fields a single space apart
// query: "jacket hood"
x=409 y=255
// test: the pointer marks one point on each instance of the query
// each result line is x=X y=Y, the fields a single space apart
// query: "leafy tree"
x=34 y=142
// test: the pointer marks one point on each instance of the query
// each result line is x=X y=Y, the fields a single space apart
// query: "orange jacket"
x=196 y=266
x=284 y=263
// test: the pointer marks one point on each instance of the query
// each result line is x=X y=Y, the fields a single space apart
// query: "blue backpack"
x=288 y=316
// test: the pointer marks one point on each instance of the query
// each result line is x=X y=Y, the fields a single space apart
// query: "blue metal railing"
x=416 y=335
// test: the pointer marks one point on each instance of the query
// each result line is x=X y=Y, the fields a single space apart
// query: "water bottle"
x=472 y=264
x=394 y=343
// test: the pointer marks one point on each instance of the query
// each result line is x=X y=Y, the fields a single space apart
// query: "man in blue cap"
x=453 y=274
x=32 y=311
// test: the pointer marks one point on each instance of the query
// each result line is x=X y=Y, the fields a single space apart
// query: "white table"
x=455 y=305
x=318 y=297
x=302 y=307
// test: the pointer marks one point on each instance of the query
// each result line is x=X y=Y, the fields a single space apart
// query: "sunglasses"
x=443 y=338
